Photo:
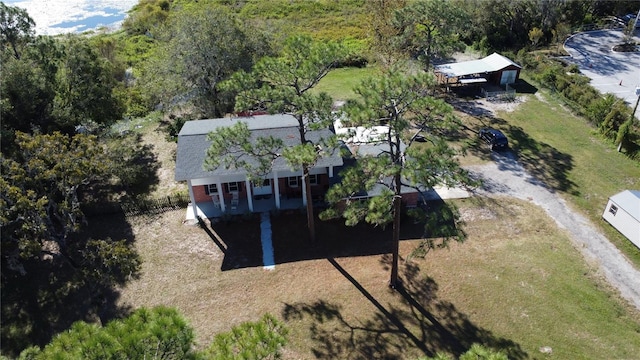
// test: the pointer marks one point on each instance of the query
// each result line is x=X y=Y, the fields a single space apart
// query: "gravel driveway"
x=506 y=176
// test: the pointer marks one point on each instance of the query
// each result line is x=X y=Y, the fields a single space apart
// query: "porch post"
x=304 y=190
x=221 y=195
x=331 y=171
x=249 y=194
x=193 y=199
x=276 y=188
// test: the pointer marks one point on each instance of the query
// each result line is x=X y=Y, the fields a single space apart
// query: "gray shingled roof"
x=260 y=122
x=193 y=144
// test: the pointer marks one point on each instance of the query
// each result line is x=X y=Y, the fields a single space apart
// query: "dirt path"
x=506 y=176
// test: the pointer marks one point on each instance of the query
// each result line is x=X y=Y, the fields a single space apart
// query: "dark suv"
x=495 y=138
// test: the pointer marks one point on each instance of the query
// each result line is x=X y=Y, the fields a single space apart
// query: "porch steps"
x=268 y=259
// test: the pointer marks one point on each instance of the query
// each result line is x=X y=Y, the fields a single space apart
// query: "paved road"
x=506 y=176
x=610 y=72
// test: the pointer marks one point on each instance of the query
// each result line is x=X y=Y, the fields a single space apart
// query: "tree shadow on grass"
x=543 y=161
x=138 y=166
x=440 y=319
x=546 y=164
x=416 y=321
x=240 y=239
x=53 y=294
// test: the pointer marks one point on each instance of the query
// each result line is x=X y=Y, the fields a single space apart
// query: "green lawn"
x=556 y=146
x=339 y=83
x=569 y=155
x=520 y=277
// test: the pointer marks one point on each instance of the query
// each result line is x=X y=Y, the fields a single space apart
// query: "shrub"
x=173 y=127
x=527 y=60
x=574 y=69
x=614 y=119
x=159 y=333
x=261 y=340
x=598 y=109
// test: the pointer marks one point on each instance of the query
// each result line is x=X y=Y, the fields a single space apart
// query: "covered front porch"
x=235 y=194
x=209 y=209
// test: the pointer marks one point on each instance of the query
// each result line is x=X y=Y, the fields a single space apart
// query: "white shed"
x=623 y=213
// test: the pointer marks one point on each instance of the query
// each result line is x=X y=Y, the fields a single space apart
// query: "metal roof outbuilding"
x=492 y=63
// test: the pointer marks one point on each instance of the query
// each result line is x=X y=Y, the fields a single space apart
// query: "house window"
x=211 y=189
x=232 y=186
x=313 y=179
x=613 y=209
x=293 y=181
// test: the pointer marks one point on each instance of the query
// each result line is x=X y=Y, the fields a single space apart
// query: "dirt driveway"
x=507 y=177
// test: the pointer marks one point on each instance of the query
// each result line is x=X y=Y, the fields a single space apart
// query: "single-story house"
x=494 y=69
x=623 y=213
x=230 y=191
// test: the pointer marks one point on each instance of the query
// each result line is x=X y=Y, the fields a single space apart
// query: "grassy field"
x=516 y=283
x=557 y=147
x=340 y=83
x=567 y=154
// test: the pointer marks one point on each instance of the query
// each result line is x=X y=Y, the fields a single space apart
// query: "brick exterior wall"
x=200 y=194
x=410 y=200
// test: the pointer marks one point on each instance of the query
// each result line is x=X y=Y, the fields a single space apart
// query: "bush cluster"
x=607 y=113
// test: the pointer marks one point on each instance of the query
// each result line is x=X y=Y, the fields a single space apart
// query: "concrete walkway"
x=268 y=259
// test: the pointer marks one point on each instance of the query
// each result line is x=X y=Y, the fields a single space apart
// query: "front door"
x=262 y=189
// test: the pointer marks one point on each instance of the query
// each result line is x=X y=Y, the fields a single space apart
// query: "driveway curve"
x=612 y=72
x=506 y=176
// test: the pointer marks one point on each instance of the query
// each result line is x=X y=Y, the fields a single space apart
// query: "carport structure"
x=494 y=69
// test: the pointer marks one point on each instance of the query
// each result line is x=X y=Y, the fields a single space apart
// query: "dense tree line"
x=54 y=92
x=55 y=85
x=425 y=30
x=505 y=25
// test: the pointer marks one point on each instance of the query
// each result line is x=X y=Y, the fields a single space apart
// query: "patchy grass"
x=166 y=153
x=153 y=134
x=566 y=153
x=516 y=283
